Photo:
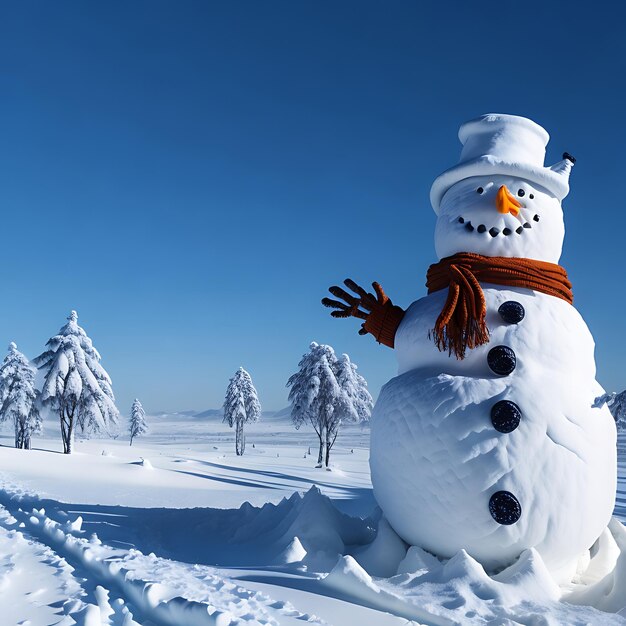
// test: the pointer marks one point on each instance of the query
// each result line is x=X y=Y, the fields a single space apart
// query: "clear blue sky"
x=191 y=176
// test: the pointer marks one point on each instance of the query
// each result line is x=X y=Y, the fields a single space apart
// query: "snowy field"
x=178 y=530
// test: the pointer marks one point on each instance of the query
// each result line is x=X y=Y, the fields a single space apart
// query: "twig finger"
x=350 y=284
x=338 y=292
x=335 y=304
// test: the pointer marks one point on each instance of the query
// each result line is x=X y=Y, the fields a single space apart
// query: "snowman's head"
x=500 y=199
x=500 y=215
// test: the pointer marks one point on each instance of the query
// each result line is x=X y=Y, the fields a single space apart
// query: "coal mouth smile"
x=493 y=231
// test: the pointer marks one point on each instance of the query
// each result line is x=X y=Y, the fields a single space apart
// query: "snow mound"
x=293 y=553
x=417 y=560
x=607 y=593
x=459 y=590
x=381 y=557
x=324 y=533
x=350 y=577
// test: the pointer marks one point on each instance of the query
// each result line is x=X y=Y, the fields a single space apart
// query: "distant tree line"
x=325 y=392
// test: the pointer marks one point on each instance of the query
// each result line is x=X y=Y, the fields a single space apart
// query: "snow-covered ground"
x=178 y=530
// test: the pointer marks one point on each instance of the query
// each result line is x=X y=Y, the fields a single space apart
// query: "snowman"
x=488 y=439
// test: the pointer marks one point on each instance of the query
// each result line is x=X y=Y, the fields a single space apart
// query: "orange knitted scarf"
x=461 y=324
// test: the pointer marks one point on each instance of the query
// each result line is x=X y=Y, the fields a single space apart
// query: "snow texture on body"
x=434 y=430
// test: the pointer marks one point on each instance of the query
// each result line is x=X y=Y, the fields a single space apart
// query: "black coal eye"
x=531 y=196
x=480 y=190
x=521 y=193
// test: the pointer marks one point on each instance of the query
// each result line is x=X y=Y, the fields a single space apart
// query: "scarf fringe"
x=451 y=338
x=461 y=324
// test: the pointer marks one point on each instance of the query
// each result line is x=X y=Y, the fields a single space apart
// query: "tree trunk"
x=67 y=430
x=323 y=453
x=70 y=437
x=331 y=437
x=63 y=431
x=240 y=440
x=131 y=440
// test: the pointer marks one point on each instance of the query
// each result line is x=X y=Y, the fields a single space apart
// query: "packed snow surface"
x=178 y=530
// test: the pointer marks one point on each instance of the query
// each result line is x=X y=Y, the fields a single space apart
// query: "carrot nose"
x=506 y=203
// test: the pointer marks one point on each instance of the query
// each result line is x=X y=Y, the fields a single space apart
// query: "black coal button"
x=512 y=312
x=505 y=508
x=505 y=416
x=501 y=360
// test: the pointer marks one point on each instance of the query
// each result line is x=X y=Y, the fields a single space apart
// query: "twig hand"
x=360 y=305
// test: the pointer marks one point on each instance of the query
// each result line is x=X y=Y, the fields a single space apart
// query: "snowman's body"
x=436 y=458
x=438 y=455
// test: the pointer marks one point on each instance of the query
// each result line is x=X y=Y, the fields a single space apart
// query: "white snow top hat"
x=504 y=145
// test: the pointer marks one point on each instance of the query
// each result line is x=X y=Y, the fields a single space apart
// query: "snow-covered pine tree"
x=324 y=392
x=315 y=393
x=75 y=384
x=18 y=397
x=241 y=406
x=617 y=405
x=618 y=410
x=138 y=425
x=358 y=407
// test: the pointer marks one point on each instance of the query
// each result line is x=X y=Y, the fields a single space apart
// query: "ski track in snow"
x=30 y=567
x=62 y=574
x=100 y=581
